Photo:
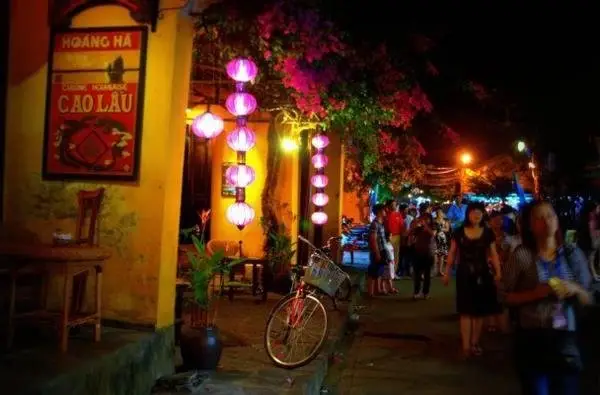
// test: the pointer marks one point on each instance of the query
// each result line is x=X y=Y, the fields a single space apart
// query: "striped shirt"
x=378 y=229
x=523 y=272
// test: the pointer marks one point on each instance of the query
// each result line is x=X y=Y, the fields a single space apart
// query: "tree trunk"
x=269 y=220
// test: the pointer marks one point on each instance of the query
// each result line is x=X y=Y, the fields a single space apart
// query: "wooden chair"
x=88 y=202
x=231 y=249
x=76 y=278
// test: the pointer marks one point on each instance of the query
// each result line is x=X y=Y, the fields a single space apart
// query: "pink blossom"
x=422 y=43
x=419 y=100
x=387 y=144
x=337 y=105
x=420 y=149
x=478 y=91
x=450 y=134
x=431 y=69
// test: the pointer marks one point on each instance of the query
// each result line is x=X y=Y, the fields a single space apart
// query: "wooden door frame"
x=4 y=55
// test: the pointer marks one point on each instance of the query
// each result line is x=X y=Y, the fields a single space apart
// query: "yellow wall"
x=355 y=206
x=285 y=190
x=139 y=221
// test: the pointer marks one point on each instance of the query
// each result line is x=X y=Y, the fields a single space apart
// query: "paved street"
x=406 y=347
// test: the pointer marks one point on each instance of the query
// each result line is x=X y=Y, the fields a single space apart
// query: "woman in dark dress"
x=472 y=247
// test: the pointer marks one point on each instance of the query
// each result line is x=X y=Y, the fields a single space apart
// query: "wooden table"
x=67 y=261
x=257 y=283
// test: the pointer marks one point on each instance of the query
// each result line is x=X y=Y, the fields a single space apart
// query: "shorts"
x=376 y=269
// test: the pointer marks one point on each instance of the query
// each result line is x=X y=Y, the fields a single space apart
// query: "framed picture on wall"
x=227 y=190
x=95 y=103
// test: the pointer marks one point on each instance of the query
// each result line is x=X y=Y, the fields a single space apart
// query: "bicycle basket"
x=324 y=275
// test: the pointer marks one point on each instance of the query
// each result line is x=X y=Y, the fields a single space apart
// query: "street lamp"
x=535 y=173
x=466 y=158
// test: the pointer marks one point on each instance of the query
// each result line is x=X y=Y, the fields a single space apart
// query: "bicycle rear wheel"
x=296 y=331
x=344 y=291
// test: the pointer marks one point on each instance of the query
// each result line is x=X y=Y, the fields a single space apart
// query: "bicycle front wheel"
x=296 y=331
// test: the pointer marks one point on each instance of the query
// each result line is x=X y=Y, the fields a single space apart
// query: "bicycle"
x=322 y=276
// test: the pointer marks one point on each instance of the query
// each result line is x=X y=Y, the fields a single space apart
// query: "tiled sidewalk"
x=245 y=367
x=407 y=347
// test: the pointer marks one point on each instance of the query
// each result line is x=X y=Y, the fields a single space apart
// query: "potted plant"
x=279 y=253
x=200 y=342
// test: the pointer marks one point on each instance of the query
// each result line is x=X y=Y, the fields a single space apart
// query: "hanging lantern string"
x=319 y=161
x=241 y=139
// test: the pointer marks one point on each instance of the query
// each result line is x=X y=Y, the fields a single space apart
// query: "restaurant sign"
x=142 y=11
x=95 y=104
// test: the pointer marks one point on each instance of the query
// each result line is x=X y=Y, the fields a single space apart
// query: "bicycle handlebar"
x=304 y=239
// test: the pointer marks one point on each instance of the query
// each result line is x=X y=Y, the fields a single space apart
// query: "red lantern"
x=240 y=214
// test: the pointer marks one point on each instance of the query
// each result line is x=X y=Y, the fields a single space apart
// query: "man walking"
x=377 y=252
x=456 y=212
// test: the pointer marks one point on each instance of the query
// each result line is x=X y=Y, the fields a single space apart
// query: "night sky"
x=539 y=61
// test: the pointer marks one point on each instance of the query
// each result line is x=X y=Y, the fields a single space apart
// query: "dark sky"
x=539 y=59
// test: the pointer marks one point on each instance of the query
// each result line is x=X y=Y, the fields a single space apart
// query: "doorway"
x=197 y=180
x=4 y=39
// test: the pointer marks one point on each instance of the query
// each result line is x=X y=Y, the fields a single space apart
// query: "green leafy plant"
x=204 y=269
x=280 y=249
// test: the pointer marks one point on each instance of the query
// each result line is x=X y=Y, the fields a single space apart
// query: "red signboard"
x=95 y=104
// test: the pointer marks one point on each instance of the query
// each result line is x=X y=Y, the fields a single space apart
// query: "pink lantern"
x=319 y=218
x=320 y=199
x=240 y=176
x=319 y=161
x=319 y=181
x=241 y=139
x=207 y=125
x=240 y=104
x=240 y=214
x=242 y=70
x=320 y=141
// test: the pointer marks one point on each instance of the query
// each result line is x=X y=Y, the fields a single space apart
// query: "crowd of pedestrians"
x=514 y=272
